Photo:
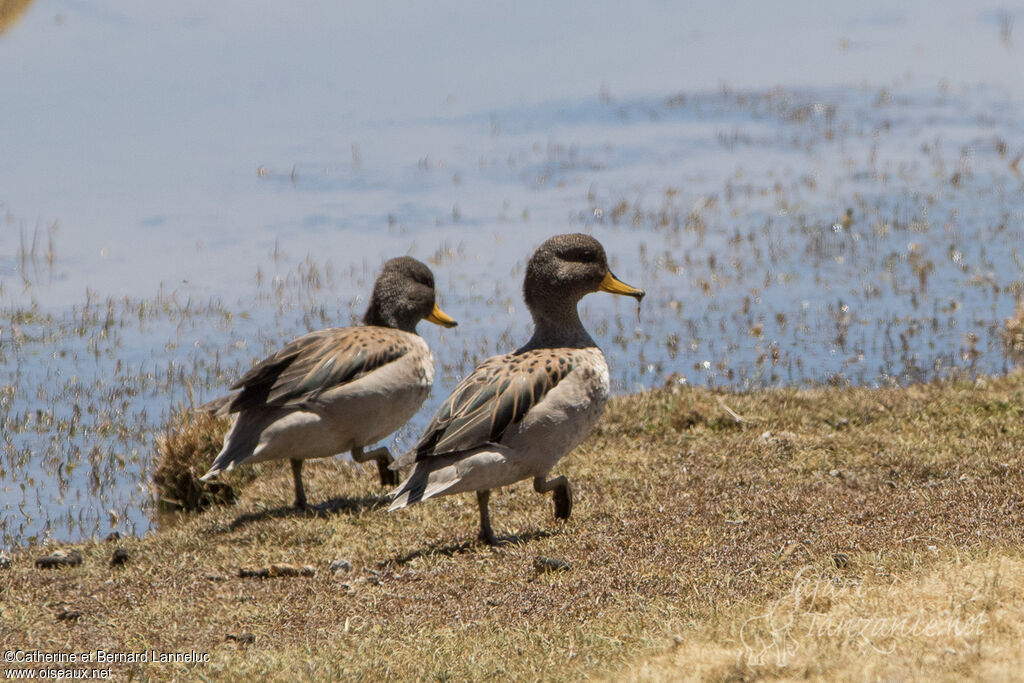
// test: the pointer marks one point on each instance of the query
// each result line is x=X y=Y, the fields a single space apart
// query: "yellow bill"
x=439 y=317
x=614 y=285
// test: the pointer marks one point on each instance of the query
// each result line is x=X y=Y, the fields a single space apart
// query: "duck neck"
x=559 y=327
x=381 y=317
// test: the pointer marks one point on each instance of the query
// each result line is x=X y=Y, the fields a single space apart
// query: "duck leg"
x=562 y=494
x=384 y=459
x=300 y=492
x=486 y=532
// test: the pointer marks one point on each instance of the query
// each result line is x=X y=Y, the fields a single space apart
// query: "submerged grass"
x=698 y=513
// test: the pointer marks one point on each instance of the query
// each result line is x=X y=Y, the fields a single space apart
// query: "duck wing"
x=496 y=395
x=311 y=365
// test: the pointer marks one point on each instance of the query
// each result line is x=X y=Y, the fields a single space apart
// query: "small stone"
x=253 y=573
x=276 y=570
x=841 y=560
x=283 y=569
x=550 y=564
x=59 y=558
x=5 y=560
x=119 y=558
x=341 y=566
x=68 y=615
x=836 y=473
x=241 y=638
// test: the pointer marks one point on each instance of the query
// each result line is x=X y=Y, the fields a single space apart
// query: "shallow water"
x=816 y=195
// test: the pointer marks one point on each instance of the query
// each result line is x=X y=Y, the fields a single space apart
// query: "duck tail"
x=220 y=464
x=218 y=407
x=421 y=484
x=239 y=447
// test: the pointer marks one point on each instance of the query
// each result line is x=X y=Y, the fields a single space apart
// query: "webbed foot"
x=562 y=494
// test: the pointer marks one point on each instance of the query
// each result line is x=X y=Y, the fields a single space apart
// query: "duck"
x=339 y=389
x=516 y=415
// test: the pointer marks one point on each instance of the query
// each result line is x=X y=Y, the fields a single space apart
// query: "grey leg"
x=562 y=494
x=383 y=457
x=300 y=492
x=486 y=532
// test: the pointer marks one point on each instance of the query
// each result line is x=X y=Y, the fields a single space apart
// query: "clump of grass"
x=10 y=11
x=1013 y=335
x=186 y=451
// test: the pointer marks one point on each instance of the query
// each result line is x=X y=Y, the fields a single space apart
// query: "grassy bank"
x=716 y=535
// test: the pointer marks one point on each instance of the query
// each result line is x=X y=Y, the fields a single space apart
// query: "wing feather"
x=497 y=395
x=315 y=363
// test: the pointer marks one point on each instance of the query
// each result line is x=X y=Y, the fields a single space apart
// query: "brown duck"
x=339 y=389
x=518 y=414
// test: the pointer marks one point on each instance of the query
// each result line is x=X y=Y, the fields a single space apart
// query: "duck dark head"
x=562 y=271
x=403 y=295
x=565 y=269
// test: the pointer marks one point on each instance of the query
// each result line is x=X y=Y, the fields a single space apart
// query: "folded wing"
x=497 y=395
x=310 y=366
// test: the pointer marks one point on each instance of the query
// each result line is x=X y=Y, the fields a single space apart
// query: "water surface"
x=808 y=194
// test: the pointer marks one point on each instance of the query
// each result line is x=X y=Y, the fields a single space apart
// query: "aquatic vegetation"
x=1013 y=334
x=848 y=236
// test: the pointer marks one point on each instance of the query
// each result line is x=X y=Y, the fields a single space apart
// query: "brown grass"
x=10 y=11
x=957 y=618
x=1013 y=334
x=695 y=511
x=185 y=452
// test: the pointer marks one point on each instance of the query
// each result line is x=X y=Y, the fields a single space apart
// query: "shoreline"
x=697 y=511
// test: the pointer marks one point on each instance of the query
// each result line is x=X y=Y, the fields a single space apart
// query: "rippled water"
x=815 y=195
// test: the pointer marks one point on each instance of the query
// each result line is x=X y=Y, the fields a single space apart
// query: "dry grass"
x=695 y=511
x=1013 y=334
x=956 y=618
x=10 y=11
x=185 y=452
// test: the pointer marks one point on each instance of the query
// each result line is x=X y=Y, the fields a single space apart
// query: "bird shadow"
x=464 y=547
x=326 y=509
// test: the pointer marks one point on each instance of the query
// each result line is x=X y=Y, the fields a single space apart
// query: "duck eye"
x=423 y=279
x=579 y=255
